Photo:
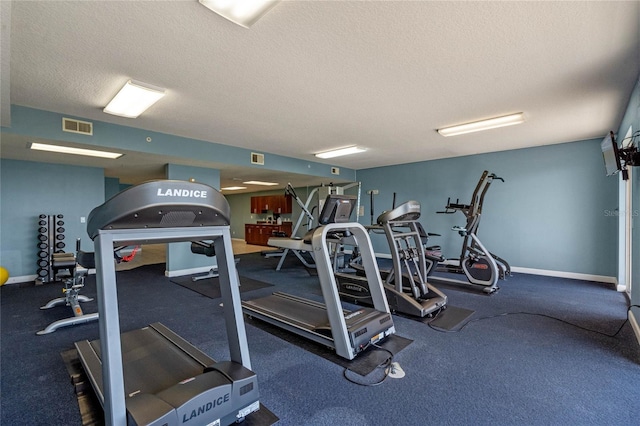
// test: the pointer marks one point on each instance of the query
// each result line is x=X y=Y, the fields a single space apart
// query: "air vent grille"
x=257 y=158
x=77 y=126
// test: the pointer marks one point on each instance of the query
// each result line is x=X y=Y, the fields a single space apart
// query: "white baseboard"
x=562 y=274
x=22 y=279
x=550 y=273
x=517 y=269
x=634 y=324
x=178 y=273
x=28 y=278
x=191 y=271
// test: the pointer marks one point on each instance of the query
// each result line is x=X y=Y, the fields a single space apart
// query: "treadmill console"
x=337 y=209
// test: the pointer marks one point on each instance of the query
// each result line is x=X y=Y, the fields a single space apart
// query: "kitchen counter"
x=260 y=232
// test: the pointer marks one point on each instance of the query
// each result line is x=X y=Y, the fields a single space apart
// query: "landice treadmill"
x=348 y=332
x=152 y=376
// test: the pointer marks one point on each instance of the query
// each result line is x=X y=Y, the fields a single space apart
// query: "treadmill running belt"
x=144 y=370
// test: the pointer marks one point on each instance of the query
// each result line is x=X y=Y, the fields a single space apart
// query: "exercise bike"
x=482 y=268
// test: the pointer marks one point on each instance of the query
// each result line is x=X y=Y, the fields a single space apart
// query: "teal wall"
x=111 y=187
x=29 y=189
x=48 y=125
x=550 y=213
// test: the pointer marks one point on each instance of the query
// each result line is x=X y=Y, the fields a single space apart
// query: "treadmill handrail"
x=329 y=286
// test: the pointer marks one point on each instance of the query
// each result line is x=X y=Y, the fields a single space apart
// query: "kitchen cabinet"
x=260 y=233
x=280 y=204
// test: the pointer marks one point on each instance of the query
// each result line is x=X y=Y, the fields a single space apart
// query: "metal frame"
x=340 y=338
x=306 y=213
x=409 y=270
x=329 y=286
x=472 y=247
x=111 y=350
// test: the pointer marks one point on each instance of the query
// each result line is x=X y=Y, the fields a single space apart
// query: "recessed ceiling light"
x=340 y=152
x=233 y=188
x=76 y=151
x=476 y=126
x=242 y=12
x=133 y=99
x=257 y=182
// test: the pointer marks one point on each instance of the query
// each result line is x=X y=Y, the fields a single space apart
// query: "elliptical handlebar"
x=477 y=199
x=493 y=176
x=451 y=208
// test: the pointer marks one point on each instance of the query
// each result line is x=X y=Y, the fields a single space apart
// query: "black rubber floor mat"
x=363 y=364
x=210 y=287
x=451 y=318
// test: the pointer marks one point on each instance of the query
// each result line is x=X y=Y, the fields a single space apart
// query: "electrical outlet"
x=82 y=219
x=372 y=191
x=335 y=171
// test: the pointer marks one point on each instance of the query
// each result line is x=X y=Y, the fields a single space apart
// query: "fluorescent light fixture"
x=340 y=152
x=242 y=12
x=76 y=151
x=257 y=182
x=233 y=188
x=476 y=126
x=134 y=99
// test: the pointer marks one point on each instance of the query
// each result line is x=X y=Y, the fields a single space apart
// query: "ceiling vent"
x=257 y=158
x=77 y=126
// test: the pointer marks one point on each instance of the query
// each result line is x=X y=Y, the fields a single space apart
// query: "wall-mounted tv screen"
x=610 y=154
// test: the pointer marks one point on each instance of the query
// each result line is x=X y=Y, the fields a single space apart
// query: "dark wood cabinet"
x=260 y=233
x=280 y=204
x=255 y=205
x=284 y=205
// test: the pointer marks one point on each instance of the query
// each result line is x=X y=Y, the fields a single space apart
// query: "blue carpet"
x=535 y=353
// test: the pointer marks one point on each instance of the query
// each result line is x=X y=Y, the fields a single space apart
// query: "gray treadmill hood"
x=161 y=204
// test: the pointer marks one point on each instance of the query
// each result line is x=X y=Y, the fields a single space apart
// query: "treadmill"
x=405 y=284
x=348 y=332
x=152 y=376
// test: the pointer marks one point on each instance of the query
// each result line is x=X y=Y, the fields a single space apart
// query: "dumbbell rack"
x=50 y=241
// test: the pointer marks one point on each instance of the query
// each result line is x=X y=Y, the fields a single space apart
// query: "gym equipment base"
x=91 y=410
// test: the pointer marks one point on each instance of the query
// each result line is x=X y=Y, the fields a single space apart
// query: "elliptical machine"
x=482 y=268
x=405 y=284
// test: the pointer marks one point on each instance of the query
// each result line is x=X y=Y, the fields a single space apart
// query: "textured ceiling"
x=316 y=75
